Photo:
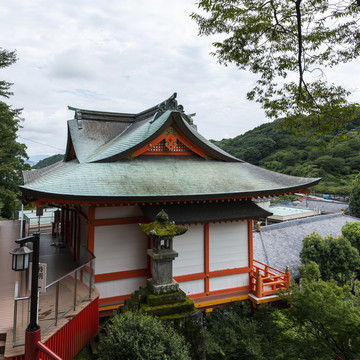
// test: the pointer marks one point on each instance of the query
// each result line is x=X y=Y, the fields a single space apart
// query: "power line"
x=36 y=142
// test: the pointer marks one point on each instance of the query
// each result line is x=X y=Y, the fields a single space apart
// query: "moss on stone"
x=168 y=309
x=168 y=298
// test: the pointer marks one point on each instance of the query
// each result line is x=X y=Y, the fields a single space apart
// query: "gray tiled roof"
x=325 y=206
x=279 y=245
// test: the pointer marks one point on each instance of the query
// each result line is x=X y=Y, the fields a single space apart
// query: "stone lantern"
x=162 y=254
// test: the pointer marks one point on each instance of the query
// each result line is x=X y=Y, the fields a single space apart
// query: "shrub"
x=137 y=336
x=234 y=333
x=336 y=257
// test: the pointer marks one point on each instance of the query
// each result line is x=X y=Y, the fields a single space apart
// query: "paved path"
x=9 y=232
x=60 y=263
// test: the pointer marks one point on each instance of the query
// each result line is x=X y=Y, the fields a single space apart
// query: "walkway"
x=59 y=261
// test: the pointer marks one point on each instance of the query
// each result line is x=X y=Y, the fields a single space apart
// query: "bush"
x=137 y=336
x=354 y=204
x=351 y=231
x=336 y=257
x=234 y=333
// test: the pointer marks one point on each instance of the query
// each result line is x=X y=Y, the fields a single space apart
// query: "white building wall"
x=192 y=287
x=229 y=281
x=190 y=247
x=120 y=287
x=119 y=248
x=228 y=245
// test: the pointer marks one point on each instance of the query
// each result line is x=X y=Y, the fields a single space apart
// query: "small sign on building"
x=41 y=276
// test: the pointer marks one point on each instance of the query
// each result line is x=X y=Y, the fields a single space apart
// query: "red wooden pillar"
x=62 y=223
x=91 y=228
x=78 y=234
x=207 y=258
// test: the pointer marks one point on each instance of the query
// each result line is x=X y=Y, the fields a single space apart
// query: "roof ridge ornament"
x=169 y=104
x=78 y=117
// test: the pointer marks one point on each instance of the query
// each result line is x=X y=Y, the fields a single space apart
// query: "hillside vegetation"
x=336 y=158
x=48 y=161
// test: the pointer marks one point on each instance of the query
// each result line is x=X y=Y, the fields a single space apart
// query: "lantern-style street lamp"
x=21 y=262
x=20 y=258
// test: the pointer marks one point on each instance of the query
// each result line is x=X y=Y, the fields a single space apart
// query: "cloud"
x=123 y=56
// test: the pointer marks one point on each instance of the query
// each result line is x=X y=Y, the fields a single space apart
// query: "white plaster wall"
x=229 y=281
x=228 y=244
x=192 y=287
x=117 y=212
x=190 y=247
x=119 y=248
x=120 y=287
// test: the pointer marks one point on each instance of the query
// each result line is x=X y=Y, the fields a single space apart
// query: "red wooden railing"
x=266 y=280
x=44 y=349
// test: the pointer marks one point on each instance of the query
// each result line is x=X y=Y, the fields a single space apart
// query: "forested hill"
x=336 y=158
x=48 y=161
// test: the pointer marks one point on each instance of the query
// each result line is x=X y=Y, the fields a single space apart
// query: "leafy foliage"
x=234 y=333
x=335 y=158
x=336 y=257
x=322 y=320
x=48 y=161
x=288 y=43
x=132 y=336
x=351 y=231
x=354 y=204
x=7 y=58
x=12 y=155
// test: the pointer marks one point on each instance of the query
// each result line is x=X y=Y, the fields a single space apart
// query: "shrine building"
x=121 y=169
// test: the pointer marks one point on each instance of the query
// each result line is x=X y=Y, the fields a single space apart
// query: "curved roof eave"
x=32 y=193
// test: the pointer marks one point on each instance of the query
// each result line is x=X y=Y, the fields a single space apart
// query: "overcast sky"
x=121 y=56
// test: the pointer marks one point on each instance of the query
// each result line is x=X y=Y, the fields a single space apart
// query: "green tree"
x=285 y=40
x=354 y=204
x=12 y=153
x=351 y=231
x=336 y=257
x=135 y=336
x=7 y=58
x=235 y=333
x=322 y=320
x=48 y=161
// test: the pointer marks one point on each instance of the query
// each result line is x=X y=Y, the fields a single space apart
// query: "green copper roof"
x=157 y=177
x=98 y=163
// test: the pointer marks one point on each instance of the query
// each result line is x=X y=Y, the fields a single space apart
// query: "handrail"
x=261 y=278
x=76 y=269
x=75 y=284
x=45 y=350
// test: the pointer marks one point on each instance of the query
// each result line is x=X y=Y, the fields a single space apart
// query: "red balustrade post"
x=259 y=285
x=287 y=277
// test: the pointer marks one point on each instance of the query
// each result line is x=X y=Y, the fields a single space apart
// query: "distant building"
x=279 y=245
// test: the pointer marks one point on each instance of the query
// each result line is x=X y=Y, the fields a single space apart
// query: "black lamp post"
x=20 y=260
